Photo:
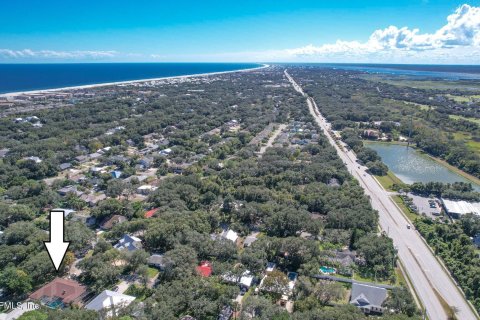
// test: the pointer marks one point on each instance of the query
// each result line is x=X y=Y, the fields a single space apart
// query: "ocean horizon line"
x=106 y=84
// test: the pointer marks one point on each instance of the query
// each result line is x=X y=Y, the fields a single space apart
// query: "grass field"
x=399 y=279
x=465 y=98
x=474 y=120
x=405 y=81
x=389 y=180
x=140 y=292
x=152 y=272
x=471 y=144
x=423 y=107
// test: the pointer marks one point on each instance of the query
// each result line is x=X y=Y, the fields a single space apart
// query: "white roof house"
x=459 y=208
x=166 y=152
x=34 y=159
x=146 y=189
x=270 y=266
x=110 y=301
x=230 y=235
x=246 y=279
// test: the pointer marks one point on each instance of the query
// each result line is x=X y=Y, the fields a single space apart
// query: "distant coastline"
x=437 y=71
x=113 y=83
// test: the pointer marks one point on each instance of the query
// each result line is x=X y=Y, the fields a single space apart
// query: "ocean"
x=27 y=77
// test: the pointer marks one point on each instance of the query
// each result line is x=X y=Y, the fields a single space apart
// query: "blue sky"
x=296 y=30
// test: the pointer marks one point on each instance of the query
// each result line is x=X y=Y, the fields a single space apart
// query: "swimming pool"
x=327 y=270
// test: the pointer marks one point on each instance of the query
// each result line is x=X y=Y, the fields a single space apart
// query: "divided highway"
x=432 y=283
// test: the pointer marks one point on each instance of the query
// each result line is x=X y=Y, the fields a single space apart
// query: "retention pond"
x=411 y=165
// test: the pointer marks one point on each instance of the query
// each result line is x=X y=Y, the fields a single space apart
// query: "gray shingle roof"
x=129 y=243
x=365 y=295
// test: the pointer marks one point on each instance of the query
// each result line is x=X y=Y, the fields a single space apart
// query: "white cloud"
x=458 y=41
x=461 y=31
x=52 y=54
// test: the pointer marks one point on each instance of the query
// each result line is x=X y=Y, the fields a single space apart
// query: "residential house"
x=205 y=269
x=95 y=155
x=59 y=293
x=371 y=134
x=249 y=240
x=368 y=298
x=476 y=240
x=129 y=243
x=65 y=166
x=292 y=280
x=116 y=174
x=103 y=150
x=96 y=170
x=76 y=176
x=157 y=261
x=146 y=189
x=165 y=152
x=333 y=182
x=109 y=222
x=229 y=235
x=110 y=302
x=93 y=198
x=34 y=159
x=117 y=159
x=139 y=178
x=225 y=314
x=247 y=279
x=81 y=159
x=3 y=152
x=150 y=213
x=344 y=258
x=69 y=189
x=270 y=267
x=145 y=163
x=66 y=212
x=306 y=235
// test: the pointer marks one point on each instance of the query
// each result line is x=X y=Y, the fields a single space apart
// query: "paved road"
x=271 y=139
x=431 y=282
x=347 y=280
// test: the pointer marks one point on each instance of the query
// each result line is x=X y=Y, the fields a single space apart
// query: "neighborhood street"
x=432 y=283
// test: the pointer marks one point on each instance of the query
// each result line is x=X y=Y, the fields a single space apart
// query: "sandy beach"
x=105 y=84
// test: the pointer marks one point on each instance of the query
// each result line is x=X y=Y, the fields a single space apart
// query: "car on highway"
x=408 y=226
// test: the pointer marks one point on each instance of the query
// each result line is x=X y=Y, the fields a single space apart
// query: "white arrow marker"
x=56 y=247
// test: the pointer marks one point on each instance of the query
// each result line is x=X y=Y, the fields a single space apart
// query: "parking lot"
x=431 y=209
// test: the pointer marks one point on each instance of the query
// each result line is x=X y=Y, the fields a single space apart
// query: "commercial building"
x=456 y=209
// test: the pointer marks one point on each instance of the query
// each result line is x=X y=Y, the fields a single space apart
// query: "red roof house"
x=205 y=269
x=150 y=213
x=65 y=290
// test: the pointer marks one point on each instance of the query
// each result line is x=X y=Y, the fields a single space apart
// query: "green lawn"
x=139 y=292
x=359 y=276
x=464 y=98
x=400 y=277
x=152 y=272
x=389 y=180
x=471 y=144
x=423 y=84
x=456 y=117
